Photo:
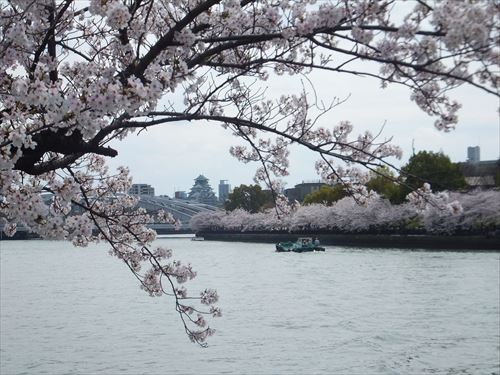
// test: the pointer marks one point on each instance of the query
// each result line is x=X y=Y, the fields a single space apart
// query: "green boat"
x=302 y=245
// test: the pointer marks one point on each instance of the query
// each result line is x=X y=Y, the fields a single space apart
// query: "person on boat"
x=315 y=241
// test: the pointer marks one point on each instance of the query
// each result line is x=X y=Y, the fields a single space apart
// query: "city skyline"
x=203 y=148
x=231 y=186
x=290 y=181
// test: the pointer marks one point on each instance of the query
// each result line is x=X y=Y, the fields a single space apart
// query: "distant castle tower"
x=202 y=192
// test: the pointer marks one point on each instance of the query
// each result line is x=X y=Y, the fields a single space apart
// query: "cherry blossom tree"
x=76 y=75
x=475 y=212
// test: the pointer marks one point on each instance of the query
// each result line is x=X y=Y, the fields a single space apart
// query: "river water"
x=68 y=310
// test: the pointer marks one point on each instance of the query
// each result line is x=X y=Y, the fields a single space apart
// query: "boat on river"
x=302 y=245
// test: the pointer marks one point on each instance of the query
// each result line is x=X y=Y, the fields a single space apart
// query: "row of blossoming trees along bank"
x=475 y=212
x=392 y=205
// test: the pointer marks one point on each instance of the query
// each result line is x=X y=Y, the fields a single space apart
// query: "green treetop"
x=384 y=183
x=433 y=168
x=326 y=194
x=250 y=198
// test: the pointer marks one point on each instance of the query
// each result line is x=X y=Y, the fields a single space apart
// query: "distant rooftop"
x=201 y=178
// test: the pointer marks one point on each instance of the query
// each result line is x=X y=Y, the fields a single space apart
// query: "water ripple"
x=345 y=311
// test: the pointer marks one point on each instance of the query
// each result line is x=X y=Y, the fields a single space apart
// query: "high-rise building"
x=300 y=191
x=142 y=189
x=224 y=190
x=202 y=192
x=473 y=154
x=180 y=195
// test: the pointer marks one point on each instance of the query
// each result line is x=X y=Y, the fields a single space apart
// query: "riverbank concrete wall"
x=473 y=242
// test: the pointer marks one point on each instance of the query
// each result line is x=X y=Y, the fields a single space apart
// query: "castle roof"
x=201 y=178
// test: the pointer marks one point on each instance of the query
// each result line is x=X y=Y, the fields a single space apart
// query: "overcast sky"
x=171 y=156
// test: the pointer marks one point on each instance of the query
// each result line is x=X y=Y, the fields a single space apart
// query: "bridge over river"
x=183 y=210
